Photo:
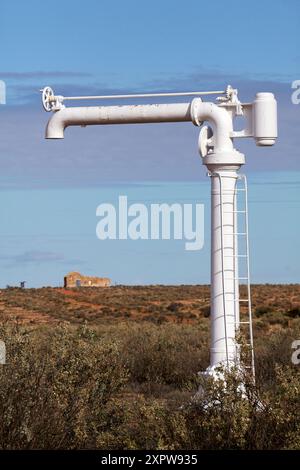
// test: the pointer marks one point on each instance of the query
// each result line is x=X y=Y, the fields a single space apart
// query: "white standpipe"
x=224 y=269
x=222 y=161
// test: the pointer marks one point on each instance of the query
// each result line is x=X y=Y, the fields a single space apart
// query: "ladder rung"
x=241 y=300
x=244 y=323
x=236 y=278
x=234 y=212
x=235 y=256
x=235 y=233
x=233 y=191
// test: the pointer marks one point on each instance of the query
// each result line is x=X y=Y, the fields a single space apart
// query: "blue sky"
x=132 y=43
x=115 y=46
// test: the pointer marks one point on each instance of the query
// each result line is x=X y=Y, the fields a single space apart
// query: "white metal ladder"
x=237 y=256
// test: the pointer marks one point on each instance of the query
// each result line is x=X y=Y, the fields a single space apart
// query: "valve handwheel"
x=47 y=93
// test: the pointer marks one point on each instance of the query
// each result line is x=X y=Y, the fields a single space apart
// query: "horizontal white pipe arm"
x=148 y=113
x=93 y=115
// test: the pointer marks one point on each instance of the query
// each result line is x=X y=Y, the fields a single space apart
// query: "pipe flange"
x=195 y=104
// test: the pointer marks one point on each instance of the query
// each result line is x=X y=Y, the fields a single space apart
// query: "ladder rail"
x=236 y=289
x=248 y=280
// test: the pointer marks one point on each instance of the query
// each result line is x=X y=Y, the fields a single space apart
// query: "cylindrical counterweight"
x=265 y=119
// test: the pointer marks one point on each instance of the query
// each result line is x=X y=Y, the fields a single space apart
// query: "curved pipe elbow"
x=220 y=120
x=56 y=126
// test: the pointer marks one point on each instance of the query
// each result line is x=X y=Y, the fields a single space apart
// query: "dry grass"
x=125 y=379
x=157 y=304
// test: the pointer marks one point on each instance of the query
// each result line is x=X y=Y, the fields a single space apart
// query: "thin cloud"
x=213 y=77
x=201 y=79
x=38 y=257
x=88 y=157
x=41 y=74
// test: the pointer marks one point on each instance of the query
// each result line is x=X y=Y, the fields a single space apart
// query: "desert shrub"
x=262 y=310
x=174 y=307
x=220 y=415
x=141 y=424
x=276 y=318
x=166 y=354
x=206 y=311
x=131 y=385
x=294 y=312
x=55 y=387
x=235 y=416
x=285 y=409
x=273 y=352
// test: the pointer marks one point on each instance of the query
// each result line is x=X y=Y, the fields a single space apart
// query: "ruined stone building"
x=75 y=279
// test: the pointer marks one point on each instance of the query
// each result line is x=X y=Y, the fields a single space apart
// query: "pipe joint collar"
x=233 y=157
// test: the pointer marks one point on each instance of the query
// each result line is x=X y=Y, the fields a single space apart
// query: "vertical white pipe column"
x=224 y=295
x=223 y=162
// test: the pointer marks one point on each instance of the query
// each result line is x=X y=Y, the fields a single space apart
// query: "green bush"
x=55 y=387
x=168 y=354
x=133 y=386
x=294 y=312
x=262 y=310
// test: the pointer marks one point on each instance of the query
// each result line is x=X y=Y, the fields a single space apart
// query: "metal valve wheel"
x=47 y=93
